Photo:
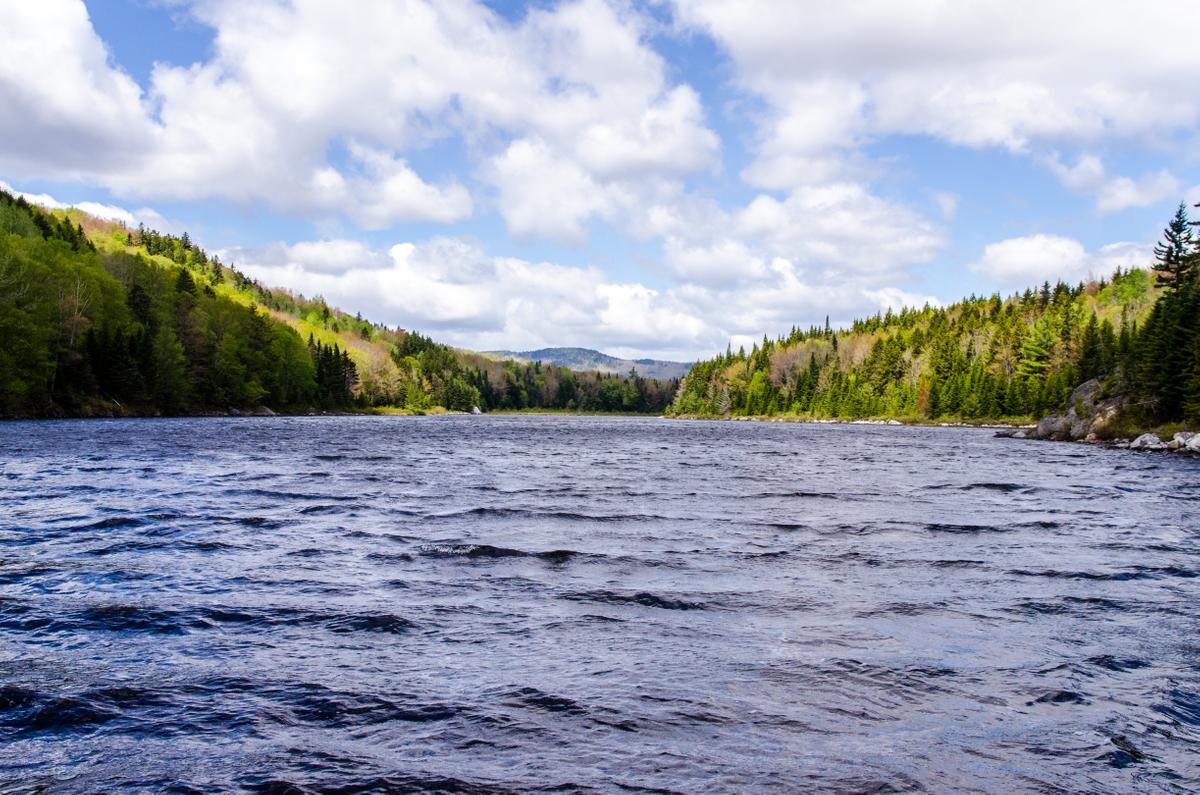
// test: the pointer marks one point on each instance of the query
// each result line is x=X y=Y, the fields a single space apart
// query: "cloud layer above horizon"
x=650 y=179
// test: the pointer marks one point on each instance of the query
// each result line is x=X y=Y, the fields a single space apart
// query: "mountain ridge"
x=592 y=360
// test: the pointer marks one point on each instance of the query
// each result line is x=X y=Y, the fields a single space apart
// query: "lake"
x=507 y=603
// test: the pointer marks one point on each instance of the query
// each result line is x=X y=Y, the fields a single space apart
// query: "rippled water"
x=562 y=604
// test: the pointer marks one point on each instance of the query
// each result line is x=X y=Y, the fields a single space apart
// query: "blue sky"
x=646 y=178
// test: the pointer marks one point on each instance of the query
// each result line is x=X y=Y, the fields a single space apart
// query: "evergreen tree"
x=1175 y=254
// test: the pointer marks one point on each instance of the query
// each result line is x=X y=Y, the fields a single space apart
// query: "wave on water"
x=572 y=604
x=638 y=598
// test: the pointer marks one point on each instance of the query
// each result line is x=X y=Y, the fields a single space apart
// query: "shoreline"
x=1143 y=441
x=263 y=412
x=891 y=422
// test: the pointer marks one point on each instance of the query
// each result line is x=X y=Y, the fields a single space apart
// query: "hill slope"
x=586 y=359
x=981 y=359
x=99 y=319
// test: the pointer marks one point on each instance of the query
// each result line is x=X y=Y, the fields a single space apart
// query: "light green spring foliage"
x=984 y=358
x=106 y=319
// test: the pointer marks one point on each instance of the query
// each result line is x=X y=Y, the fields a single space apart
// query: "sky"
x=647 y=178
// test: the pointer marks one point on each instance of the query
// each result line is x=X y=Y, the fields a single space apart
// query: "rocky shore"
x=1092 y=417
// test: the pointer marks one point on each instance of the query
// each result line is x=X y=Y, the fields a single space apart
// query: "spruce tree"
x=184 y=283
x=1091 y=353
x=1175 y=255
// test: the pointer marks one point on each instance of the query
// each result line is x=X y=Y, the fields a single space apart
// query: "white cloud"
x=1022 y=262
x=1106 y=259
x=841 y=228
x=1113 y=194
x=1086 y=175
x=452 y=288
x=61 y=103
x=546 y=196
x=1019 y=76
x=319 y=256
x=1123 y=192
x=723 y=262
x=289 y=82
x=896 y=299
x=1026 y=261
x=387 y=191
x=108 y=212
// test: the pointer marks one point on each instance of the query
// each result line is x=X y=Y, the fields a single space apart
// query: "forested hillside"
x=983 y=358
x=99 y=319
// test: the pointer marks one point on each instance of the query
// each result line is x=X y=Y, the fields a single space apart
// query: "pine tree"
x=1176 y=253
x=184 y=283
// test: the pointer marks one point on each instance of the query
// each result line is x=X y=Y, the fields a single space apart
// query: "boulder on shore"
x=263 y=411
x=1147 y=441
x=1056 y=427
x=1194 y=443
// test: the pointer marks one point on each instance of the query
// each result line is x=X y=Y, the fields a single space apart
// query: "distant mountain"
x=586 y=360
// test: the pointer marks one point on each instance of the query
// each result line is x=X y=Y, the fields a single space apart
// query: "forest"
x=100 y=320
x=985 y=358
x=97 y=319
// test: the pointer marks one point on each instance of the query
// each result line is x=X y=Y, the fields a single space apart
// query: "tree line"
x=147 y=322
x=91 y=332
x=985 y=357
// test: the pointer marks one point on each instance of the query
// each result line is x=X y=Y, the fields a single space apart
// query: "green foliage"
x=984 y=358
x=1175 y=255
x=153 y=324
x=86 y=331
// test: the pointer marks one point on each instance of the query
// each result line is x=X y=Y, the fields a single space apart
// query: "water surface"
x=577 y=604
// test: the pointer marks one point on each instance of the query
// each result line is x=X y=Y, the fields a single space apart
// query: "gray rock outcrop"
x=1087 y=414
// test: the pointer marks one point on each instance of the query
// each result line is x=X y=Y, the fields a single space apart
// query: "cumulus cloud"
x=108 y=212
x=470 y=298
x=723 y=262
x=386 y=190
x=1122 y=192
x=452 y=287
x=840 y=227
x=575 y=89
x=544 y=195
x=568 y=120
x=1021 y=262
x=838 y=234
x=1113 y=194
x=61 y=102
x=1010 y=75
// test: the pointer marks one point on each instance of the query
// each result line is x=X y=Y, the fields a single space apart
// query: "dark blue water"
x=572 y=604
